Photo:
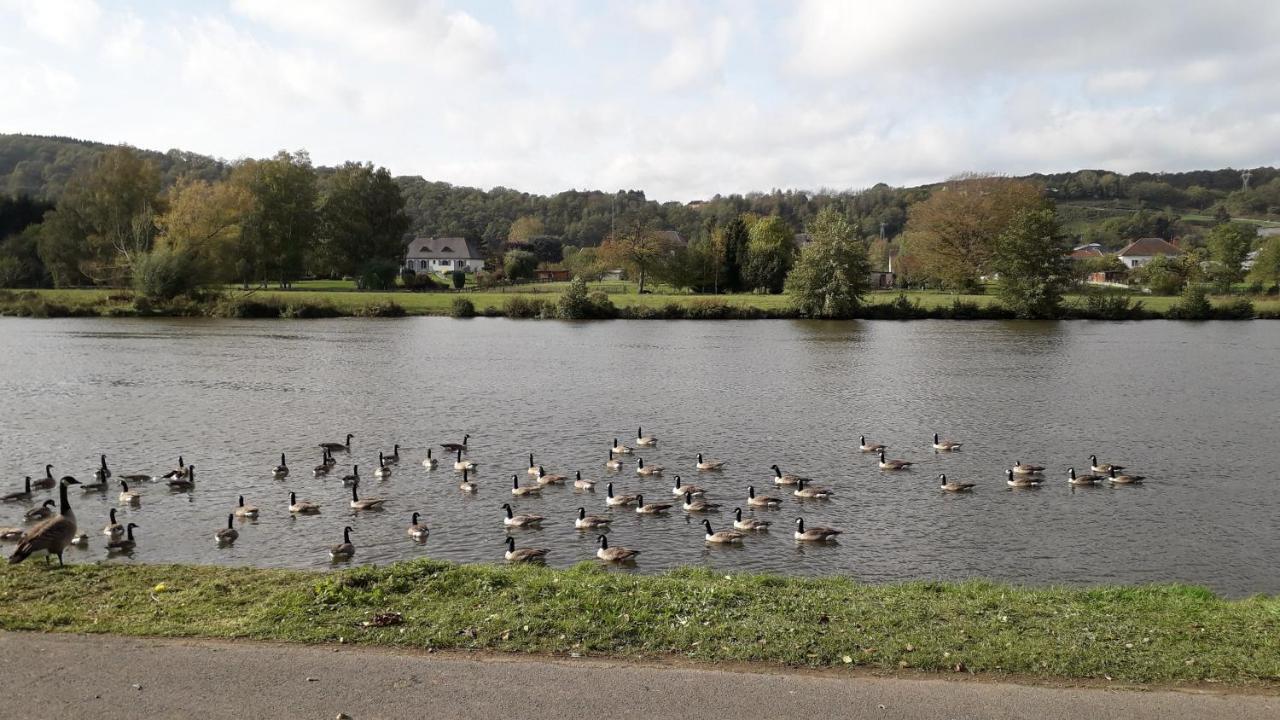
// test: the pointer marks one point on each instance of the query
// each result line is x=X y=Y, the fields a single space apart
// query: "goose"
x=466 y=485
x=113 y=529
x=724 y=537
x=456 y=447
x=45 y=482
x=545 y=479
x=429 y=462
x=781 y=478
x=333 y=447
x=1103 y=467
x=367 y=504
x=953 y=486
x=345 y=549
x=617 y=500
x=326 y=464
x=815 y=534
x=650 y=508
x=533 y=469
x=327 y=458
x=127 y=496
x=643 y=440
x=1124 y=479
x=302 y=507
x=1074 y=479
x=280 y=471
x=945 y=445
x=353 y=477
x=524 y=555
x=393 y=458
x=1021 y=468
x=867 y=447
x=709 y=464
x=513 y=520
x=613 y=463
x=619 y=449
x=748 y=524
x=136 y=478
x=818 y=493
x=40 y=512
x=12 y=534
x=761 y=500
x=125 y=544
x=417 y=530
x=21 y=494
x=176 y=472
x=581 y=484
x=698 y=505
x=680 y=489
x=186 y=482
x=228 y=534
x=642 y=469
x=245 y=511
x=893 y=464
x=523 y=491
x=100 y=484
x=81 y=540
x=384 y=471
x=614 y=554
x=1021 y=481
x=585 y=521
x=103 y=472
x=461 y=464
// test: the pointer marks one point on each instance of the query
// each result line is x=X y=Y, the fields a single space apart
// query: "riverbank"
x=1152 y=634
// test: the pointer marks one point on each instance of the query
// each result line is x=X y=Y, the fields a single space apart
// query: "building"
x=1144 y=250
x=883 y=279
x=552 y=275
x=1085 y=252
x=443 y=255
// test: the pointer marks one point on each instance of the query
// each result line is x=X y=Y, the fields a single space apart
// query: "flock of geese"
x=54 y=527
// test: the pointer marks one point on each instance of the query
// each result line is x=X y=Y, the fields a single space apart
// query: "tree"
x=524 y=229
x=770 y=253
x=1164 y=275
x=519 y=265
x=583 y=262
x=831 y=275
x=1229 y=244
x=638 y=249
x=362 y=222
x=279 y=232
x=1266 y=267
x=734 y=237
x=204 y=222
x=1032 y=258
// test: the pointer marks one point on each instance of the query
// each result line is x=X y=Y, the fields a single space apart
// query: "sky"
x=683 y=100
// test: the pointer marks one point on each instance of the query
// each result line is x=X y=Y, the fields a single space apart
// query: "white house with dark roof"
x=1144 y=250
x=443 y=255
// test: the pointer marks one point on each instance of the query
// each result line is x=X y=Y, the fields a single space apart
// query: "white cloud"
x=694 y=60
x=65 y=22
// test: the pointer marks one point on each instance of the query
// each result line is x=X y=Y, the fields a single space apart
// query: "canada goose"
x=524 y=555
x=125 y=544
x=748 y=524
x=466 y=485
x=384 y=471
x=21 y=494
x=325 y=465
x=523 y=491
x=642 y=469
x=456 y=447
x=533 y=468
x=228 y=534
x=893 y=464
x=680 y=489
x=619 y=449
x=40 y=512
x=581 y=484
x=1124 y=479
x=643 y=440
x=338 y=447
x=952 y=486
x=815 y=534
x=613 y=463
x=113 y=529
x=185 y=482
x=1021 y=481
x=245 y=511
x=80 y=540
x=176 y=472
x=724 y=537
x=353 y=477
x=513 y=520
x=1021 y=468
x=1074 y=479
x=302 y=507
x=103 y=472
x=367 y=504
x=345 y=550
x=429 y=462
x=280 y=471
x=129 y=497
x=136 y=478
x=945 y=445
x=393 y=458
x=461 y=464
x=417 y=530
x=545 y=479
x=99 y=484
x=818 y=493
x=781 y=478
x=328 y=459
x=617 y=500
x=867 y=447
x=45 y=482
x=709 y=464
x=698 y=505
x=11 y=534
x=761 y=500
x=1104 y=467
x=614 y=554
x=650 y=508
x=585 y=521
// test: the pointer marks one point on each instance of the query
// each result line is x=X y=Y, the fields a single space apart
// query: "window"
x=422 y=264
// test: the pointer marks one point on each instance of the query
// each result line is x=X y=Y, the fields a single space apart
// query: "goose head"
x=507 y=507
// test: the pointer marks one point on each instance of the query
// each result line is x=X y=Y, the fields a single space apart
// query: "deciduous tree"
x=831 y=275
x=1031 y=256
x=770 y=253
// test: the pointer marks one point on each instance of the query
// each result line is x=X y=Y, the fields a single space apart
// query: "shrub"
x=1239 y=309
x=577 y=304
x=1111 y=307
x=246 y=307
x=462 y=308
x=419 y=282
x=1194 y=304
x=386 y=308
x=164 y=274
x=377 y=275
x=519 y=265
x=491 y=311
x=309 y=311
x=519 y=306
x=459 y=279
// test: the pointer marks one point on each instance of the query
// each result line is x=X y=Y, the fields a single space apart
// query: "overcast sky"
x=680 y=99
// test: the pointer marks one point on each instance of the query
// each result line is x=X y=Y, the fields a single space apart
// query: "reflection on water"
x=1192 y=406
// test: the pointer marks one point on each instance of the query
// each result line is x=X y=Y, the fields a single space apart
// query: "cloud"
x=65 y=22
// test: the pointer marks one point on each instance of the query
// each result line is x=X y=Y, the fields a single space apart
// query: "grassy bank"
x=1167 y=634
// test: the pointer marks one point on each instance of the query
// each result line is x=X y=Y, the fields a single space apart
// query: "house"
x=1085 y=252
x=613 y=274
x=443 y=255
x=552 y=275
x=1144 y=250
x=883 y=279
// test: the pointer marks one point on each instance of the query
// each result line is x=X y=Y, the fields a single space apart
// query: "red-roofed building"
x=1144 y=250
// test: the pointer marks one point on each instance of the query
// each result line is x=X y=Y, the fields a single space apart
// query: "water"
x=1192 y=406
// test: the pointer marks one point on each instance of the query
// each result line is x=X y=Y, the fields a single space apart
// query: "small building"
x=552 y=275
x=883 y=279
x=443 y=255
x=1086 y=252
x=1144 y=250
x=614 y=274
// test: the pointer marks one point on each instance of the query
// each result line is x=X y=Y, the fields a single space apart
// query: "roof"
x=1086 y=251
x=449 y=248
x=1149 y=247
x=670 y=236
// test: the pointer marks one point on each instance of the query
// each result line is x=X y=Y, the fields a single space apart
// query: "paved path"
x=106 y=677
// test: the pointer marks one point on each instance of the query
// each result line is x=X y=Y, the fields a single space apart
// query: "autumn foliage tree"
x=638 y=249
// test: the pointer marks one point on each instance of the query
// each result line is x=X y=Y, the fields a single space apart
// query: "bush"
x=247 y=307
x=309 y=311
x=519 y=306
x=386 y=308
x=164 y=274
x=1111 y=307
x=419 y=282
x=462 y=308
x=577 y=304
x=459 y=279
x=377 y=275
x=1194 y=304
x=1239 y=309
x=519 y=265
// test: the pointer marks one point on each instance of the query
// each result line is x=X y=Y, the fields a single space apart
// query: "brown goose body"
x=52 y=536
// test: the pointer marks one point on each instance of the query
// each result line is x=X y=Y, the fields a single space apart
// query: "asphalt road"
x=105 y=677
